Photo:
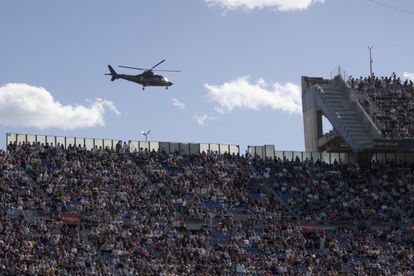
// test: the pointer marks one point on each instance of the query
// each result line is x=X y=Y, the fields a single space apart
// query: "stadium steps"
x=345 y=114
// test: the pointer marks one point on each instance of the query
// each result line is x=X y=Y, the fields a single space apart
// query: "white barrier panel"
x=297 y=155
x=51 y=140
x=21 y=138
x=279 y=155
x=326 y=157
x=234 y=149
x=10 y=138
x=307 y=156
x=164 y=146
x=98 y=143
x=60 y=140
x=31 y=139
x=144 y=146
x=269 y=151
x=195 y=149
x=41 y=139
x=259 y=152
x=204 y=148
x=154 y=146
x=107 y=144
x=133 y=146
x=288 y=156
x=89 y=143
x=174 y=147
x=214 y=148
x=70 y=141
x=184 y=148
x=223 y=149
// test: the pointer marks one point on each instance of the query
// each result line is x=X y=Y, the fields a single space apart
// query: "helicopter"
x=147 y=78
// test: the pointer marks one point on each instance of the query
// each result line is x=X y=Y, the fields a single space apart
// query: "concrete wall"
x=312 y=127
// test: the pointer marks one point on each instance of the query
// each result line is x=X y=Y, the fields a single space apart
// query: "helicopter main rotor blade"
x=166 y=70
x=143 y=69
x=157 y=64
x=129 y=67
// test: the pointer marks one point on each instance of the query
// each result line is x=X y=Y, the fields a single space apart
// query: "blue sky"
x=240 y=61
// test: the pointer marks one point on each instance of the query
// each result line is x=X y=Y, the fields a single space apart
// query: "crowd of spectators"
x=153 y=213
x=398 y=181
x=334 y=193
x=394 y=103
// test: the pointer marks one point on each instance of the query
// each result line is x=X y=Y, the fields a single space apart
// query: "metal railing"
x=266 y=151
x=96 y=143
x=366 y=116
x=330 y=157
x=64 y=141
x=183 y=148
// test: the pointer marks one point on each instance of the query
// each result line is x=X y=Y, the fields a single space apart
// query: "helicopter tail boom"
x=113 y=73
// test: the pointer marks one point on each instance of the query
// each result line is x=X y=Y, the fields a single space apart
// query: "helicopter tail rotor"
x=113 y=73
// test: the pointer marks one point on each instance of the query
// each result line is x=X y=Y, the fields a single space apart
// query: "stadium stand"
x=391 y=103
x=368 y=114
x=87 y=206
x=73 y=210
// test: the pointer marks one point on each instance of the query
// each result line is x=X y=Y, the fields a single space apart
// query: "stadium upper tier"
x=146 y=213
x=390 y=102
x=368 y=114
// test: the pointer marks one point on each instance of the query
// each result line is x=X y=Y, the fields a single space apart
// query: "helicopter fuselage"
x=146 y=79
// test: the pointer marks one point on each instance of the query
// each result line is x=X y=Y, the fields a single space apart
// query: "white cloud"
x=178 y=104
x=281 y=5
x=409 y=76
x=201 y=119
x=240 y=93
x=22 y=105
